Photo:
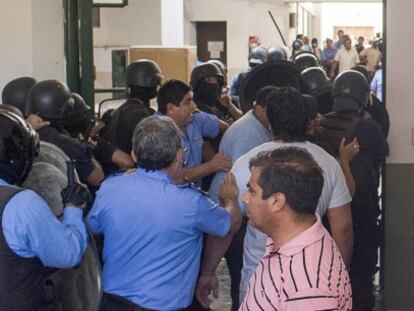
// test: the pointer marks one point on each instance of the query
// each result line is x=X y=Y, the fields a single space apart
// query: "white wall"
x=48 y=40
x=31 y=40
x=139 y=23
x=349 y=14
x=15 y=40
x=244 y=18
x=172 y=22
x=400 y=96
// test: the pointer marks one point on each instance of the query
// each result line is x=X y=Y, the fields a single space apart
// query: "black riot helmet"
x=203 y=71
x=276 y=52
x=221 y=66
x=77 y=120
x=144 y=73
x=49 y=99
x=350 y=91
x=15 y=92
x=19 y=144
x=297 y=45
x=313 y=79
x=257 y=56
x=306 y=60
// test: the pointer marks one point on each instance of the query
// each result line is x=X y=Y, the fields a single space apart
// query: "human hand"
x=225 y=100
x=220 y=162
x=349 y=151
x=229 y=191
x=36 y=122
x=207 y=283
x=76 y=194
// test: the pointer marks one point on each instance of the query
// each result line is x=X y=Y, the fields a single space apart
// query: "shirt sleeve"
x=209 y=124
x=93 y=217
x=233 y=86
x=313 y=299
x=242 y=174
x=31 y=230
x=340 y=194
x=337 y=56
x=374 y=83
x=211 y=218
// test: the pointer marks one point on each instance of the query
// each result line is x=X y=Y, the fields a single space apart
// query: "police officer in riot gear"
x=351 y=94
x=33 y=243
x=207 y=82
x=78 y=124
x=256 y=57
x=142 y=78
x=51 y=100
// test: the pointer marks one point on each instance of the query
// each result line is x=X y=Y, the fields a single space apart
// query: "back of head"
x=306 y=60
x=204 y=71
x=19 y=144
x=257 y=56
x=312 y=106
x=77 y=120
x=171 y=92
x=50 y=99
x=155 y=142
x=263 y=93
x=350 y=91
x=287 y=114
x=143 y=73
x=276 y=52
x=15 y=92
x=313 y=79
x=293 y=172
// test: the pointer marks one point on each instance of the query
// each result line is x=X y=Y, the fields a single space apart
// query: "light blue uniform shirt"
x=234 y=85
x=243 y=135
x=32 y=230
x=202 y=125
x=376 y=84
x=153 y=237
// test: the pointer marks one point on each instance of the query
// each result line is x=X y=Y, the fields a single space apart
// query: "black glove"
x=75 y=194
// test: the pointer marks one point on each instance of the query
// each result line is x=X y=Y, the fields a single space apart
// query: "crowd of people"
x=284 y=188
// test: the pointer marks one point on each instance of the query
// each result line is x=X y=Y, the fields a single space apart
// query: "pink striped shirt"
x=307 y=273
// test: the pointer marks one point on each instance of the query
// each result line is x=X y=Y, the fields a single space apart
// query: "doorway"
x=211 y=41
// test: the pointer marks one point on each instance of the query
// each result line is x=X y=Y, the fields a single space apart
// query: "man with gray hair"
x=153 y=228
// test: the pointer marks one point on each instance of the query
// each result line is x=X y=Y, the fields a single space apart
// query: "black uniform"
x=122 y=123
x=73 y=148
x=365 y=203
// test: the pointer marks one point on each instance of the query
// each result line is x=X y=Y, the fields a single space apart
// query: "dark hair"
x=155 y=143
x=172 y=91
x=287 y=114
x=263 y=93
x=293 y=172
x=314 y=40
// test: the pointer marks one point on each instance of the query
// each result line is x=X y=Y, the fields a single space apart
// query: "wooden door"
x=212 y=41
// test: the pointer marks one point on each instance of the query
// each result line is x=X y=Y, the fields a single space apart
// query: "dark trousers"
x=234 y=259
x=112 y=302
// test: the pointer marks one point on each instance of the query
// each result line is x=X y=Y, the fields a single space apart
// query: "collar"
x=308 y=237
x=156 y=175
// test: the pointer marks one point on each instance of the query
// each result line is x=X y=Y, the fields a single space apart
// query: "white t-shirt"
x=347 y=59
x=335 y=193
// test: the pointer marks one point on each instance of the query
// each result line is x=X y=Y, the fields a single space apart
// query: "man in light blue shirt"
x=153 y=229
x=32 y=240
x=175 y=100
x=246 y=133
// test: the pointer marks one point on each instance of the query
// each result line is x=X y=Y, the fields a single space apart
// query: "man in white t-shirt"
x=347 y=57
x=288 y=117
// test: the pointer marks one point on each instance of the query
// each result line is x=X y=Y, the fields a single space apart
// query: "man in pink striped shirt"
x=302 y=268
